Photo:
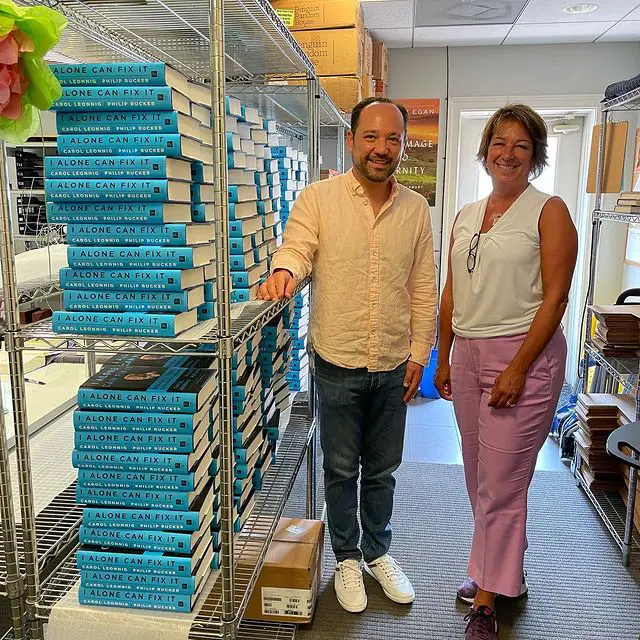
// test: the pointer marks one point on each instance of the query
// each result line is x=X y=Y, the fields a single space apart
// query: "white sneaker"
x=387 y=572
x=349 y=586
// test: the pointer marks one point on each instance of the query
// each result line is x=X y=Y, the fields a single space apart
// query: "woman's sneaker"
x=482 y=624
x=467 y=590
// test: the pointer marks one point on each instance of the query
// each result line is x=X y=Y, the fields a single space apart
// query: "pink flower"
x=9 y=50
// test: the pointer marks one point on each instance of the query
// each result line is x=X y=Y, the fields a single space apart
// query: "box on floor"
x=321 y=14
x=287 y=587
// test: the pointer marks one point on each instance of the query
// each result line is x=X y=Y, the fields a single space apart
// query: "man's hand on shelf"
x=280 y=284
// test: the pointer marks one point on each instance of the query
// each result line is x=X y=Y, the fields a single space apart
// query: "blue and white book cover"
x=147 y=389
x=175 y=235
x=116 y=167
x=135 y=599
x=114 y=98
x=134 y=279
x=124 y=144
x=172 y=541
x=157 y=442
x=145 y=301
x=131 y=581
x=169 y=463
x=116 y=190
x=142 y=519
x=136 y=561
x=139 y=257
x=144 y=213
x=117 y=122
x=116 y=73
x=94 y=478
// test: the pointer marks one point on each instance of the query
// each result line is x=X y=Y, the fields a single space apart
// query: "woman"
x=511 y=260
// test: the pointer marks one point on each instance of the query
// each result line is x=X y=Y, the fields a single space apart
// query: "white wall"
x=535 y=70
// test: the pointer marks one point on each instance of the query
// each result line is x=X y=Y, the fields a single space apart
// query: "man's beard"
x=380 y=175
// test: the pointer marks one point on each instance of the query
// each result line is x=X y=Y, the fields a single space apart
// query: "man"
x=369 y=243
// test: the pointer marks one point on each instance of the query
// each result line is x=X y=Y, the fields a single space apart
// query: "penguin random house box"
x=287 y=587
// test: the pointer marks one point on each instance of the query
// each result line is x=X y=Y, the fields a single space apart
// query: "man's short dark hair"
x=357 y=110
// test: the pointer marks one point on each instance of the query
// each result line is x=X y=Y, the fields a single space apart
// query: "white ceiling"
x=439 y=23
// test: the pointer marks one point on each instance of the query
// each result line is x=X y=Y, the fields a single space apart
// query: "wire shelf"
x=626 y=102
x=56 y=527
x=616 y=216
x=250 y=544
x=288 y=104
x=624 y=370
x=253 y=630
x=247 y=324
x=253 y=318
x=613 y=512
x=177 y=31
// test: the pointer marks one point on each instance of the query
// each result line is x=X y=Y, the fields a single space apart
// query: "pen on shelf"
x=32 y=381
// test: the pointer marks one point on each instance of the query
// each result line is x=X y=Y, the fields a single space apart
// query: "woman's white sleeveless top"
x=502 y=294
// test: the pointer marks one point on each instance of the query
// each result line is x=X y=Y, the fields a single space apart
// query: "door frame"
x=584 y=105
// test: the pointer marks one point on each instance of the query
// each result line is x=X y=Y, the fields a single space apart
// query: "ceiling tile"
x=441 y=13
x=394 y=38
x=388 y=15
x=561 y=33
x=634 y=15
x=483 y=34
x=622 y=32
x=539 y=11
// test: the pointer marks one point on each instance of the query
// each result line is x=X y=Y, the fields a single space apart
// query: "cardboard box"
x=334 y=52
x=379 y=89
x=321 y=14
x=368 y=53
x=368 y=87
x=287 y=587
x=345 y=91
x=613 y=165
x=380 y=62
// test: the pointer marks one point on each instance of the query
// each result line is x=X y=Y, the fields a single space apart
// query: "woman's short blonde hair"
x=531 y=121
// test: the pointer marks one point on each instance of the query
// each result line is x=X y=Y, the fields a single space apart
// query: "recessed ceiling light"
x=583 y=7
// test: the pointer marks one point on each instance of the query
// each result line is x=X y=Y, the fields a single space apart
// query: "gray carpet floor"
x=579 y=589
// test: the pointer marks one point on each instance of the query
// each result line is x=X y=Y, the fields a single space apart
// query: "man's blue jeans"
x=362 y=422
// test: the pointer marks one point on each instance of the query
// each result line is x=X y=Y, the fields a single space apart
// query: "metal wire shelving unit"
x=237 y=46
x=617 y=517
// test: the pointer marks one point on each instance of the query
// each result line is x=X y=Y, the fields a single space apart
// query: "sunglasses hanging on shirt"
x=473 y=250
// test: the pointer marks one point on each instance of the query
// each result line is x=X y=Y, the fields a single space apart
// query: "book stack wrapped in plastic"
x=293 y=174
x=298 y=327
x=275 y=348
x=147 y=452
x=133 y=183
x=254 y=188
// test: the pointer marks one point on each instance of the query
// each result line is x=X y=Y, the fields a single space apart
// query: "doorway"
x=569 y=136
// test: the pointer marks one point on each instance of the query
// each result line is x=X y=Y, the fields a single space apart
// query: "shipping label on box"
x=287 y=602
x=334 y=52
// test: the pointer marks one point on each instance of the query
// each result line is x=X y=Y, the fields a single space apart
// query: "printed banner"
x=419 y=167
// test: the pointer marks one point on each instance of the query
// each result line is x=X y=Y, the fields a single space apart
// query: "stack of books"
x=628 y=202
x=132 y=180
x=247 y=431
x=294 y=177
x=275 y=349
x=599 y=414
x=297 y=324
x=147 y=450
x=254 y=189
x=618 y=329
